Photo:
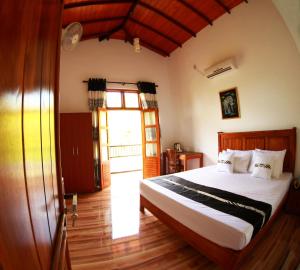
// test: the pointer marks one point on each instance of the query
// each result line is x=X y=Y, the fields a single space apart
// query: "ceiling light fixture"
x=136 y=45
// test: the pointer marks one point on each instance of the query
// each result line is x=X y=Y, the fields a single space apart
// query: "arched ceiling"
x=161 y=25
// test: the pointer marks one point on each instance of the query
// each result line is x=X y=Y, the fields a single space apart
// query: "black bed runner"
x=254 y=212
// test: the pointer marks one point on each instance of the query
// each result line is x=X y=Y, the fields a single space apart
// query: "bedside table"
x=293 y=201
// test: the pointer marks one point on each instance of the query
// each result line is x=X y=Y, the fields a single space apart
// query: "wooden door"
x=104 y=148
x=68 y=152
x=15 y=221
x=151 y=143
x=29 y=58
x=77 y=152
x=84 y=152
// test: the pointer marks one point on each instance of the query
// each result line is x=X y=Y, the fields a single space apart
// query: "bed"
x=223 y=238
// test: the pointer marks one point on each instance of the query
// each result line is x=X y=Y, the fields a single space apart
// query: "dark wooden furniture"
x=31 y=201
x=182 y=158
x=76 y=140
x=173 y=163
x=269 y=140
x=293 y=201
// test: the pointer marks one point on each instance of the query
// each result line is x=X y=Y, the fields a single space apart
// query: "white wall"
x=268 y=78
x=116 y=61
x=290 y=12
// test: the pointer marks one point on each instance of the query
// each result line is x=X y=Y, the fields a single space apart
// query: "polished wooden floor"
x=111 y=233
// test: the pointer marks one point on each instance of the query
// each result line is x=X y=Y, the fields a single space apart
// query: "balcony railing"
x=116 y=151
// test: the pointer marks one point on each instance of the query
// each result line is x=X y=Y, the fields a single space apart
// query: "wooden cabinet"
x=76 y=141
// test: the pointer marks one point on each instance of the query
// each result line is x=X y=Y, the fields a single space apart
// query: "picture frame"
x=177 y=147
x=229 y=103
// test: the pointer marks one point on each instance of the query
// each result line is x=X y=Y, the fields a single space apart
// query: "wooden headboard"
x=267 y=140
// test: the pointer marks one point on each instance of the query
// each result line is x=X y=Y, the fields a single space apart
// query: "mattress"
x=216 y=226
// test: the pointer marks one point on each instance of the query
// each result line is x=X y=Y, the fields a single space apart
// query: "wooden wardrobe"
x=76 y=141
x=32 y=224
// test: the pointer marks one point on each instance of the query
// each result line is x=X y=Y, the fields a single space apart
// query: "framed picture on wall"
x=229 y=103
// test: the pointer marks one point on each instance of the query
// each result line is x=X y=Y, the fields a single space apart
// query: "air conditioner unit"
x=220 y=68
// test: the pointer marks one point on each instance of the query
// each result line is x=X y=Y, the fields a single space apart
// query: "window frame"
x=123 y=107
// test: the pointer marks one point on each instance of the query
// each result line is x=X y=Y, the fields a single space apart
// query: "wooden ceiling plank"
x=156 y=31
x=94 y=2
x=196 y=11
x=147 y=44
x=100 y=20
x=112 y=31
x=167 y=17
x=221 y=4
x=161 y=51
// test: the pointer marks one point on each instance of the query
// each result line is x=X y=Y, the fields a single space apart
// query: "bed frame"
x=268 y=140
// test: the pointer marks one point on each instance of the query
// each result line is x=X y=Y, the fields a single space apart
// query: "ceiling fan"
x=71 y=36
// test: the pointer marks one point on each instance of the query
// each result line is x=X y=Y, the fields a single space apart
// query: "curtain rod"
x=122 y=83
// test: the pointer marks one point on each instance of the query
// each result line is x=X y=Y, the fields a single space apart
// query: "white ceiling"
x=290 y=12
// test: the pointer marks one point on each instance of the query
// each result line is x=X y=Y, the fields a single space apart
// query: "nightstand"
x=293 y=201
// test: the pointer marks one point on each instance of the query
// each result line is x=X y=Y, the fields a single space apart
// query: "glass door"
x=104 y=149
x=151 y=143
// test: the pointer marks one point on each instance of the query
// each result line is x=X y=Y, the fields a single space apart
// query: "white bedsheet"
x=221 y=228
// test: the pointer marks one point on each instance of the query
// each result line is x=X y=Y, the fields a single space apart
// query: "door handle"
x=77 y=150
x=73 y=150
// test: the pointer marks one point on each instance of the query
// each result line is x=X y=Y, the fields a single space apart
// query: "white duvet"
x=220 y=228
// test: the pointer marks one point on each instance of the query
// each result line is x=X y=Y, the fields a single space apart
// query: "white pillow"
x=278 y=157
x=225 y=162
x=263 y=165
x=241 y=160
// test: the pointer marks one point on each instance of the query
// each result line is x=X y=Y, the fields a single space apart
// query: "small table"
x=185 y=156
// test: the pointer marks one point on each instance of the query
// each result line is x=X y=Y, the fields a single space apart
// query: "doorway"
x=125 y=141
x=130 y=147
x=129 y=136
x=126 y=164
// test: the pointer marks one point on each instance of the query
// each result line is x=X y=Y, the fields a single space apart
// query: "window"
x=122 y=99
x=131 y=100
x=113 y=100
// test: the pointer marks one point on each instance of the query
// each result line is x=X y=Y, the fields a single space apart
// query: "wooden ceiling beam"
x=109 y=33
x=121 y=26
x=130 y=11
x=145 y=44
x=156 y=31
x=151 y=46
x=108 y=19
x=167 y=17
x=94 y=2
x=196 y=11
x=128 y=37
x=221 y=4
